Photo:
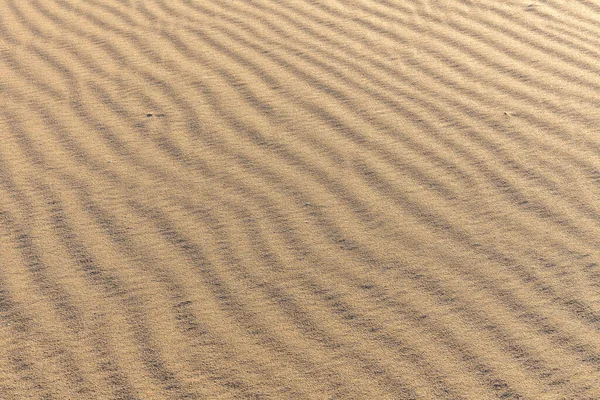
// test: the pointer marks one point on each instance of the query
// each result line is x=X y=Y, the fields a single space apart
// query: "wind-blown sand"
x=299 y=199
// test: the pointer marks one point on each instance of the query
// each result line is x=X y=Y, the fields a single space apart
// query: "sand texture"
x=299 y=199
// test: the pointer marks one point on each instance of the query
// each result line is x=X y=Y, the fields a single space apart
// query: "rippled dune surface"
x=299 y=199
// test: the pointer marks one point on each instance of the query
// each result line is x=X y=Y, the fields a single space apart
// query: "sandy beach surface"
x=299 y=199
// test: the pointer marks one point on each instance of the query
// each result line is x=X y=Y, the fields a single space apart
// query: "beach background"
x=299 y=199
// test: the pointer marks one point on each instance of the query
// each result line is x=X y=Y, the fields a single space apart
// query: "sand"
x=299 y=199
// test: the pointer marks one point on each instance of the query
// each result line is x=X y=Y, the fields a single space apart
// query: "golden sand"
x=299 y=199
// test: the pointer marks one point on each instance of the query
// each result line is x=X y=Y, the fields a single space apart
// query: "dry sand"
x=299 y=199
